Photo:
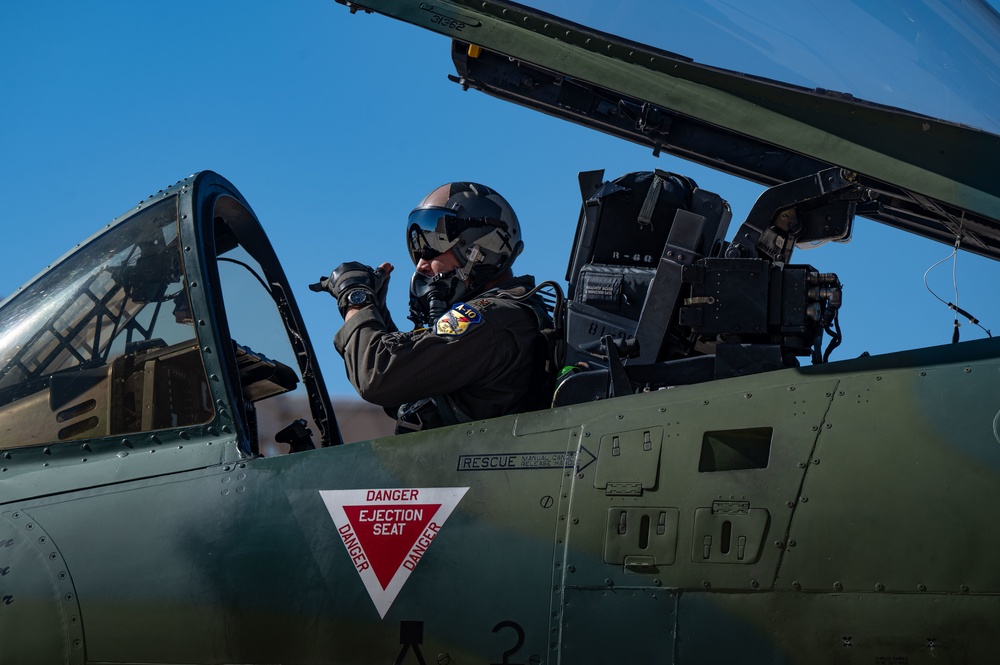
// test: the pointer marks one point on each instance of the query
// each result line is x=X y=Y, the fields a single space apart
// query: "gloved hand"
x=382 y=273
x=353 y=276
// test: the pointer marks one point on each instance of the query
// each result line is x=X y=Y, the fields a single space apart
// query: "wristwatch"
x=358 y=298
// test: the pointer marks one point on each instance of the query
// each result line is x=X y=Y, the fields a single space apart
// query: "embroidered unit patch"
x=457 y=320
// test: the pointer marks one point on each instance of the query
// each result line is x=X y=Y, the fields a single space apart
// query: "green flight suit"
x=486 y=356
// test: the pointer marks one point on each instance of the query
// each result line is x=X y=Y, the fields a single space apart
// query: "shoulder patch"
x=457 y=320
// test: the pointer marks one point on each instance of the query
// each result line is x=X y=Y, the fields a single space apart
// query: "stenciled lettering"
x=391 y=514
x=423 y=542
x=489 y=461
x=516 y=461
x=391 y=495
x=354 y=549
x=547 y=461
x=446 y=22
x=390 y=521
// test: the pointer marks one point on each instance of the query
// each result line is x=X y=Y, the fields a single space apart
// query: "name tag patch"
x=457 y=320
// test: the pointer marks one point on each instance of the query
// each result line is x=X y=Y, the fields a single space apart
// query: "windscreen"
x=104 y=343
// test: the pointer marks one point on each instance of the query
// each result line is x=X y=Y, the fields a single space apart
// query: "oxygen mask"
x=431 y=296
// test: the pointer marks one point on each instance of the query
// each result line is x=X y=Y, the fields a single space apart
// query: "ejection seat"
x=658 y=298
x=632 y=232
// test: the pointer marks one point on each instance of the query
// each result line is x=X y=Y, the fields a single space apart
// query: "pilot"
x=478 y=349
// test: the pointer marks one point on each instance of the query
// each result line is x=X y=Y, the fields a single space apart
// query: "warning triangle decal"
x=388 y=531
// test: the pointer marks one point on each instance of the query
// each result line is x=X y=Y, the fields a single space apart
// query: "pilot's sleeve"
x=390 y=368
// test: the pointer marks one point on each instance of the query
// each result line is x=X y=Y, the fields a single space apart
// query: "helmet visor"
x=428 y=233
x=433 y=231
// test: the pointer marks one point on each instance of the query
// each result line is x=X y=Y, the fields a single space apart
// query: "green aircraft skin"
x=830 y=514
x=834 y=513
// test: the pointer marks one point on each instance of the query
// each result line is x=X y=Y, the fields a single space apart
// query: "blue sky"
x=334 y=126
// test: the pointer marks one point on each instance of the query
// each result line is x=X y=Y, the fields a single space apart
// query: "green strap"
x=649 y=205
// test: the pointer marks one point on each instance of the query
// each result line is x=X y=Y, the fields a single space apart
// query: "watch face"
x=358 y=297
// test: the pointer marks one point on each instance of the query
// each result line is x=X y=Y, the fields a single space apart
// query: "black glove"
x=382 y=278
x=368 y=286
x=383 y=288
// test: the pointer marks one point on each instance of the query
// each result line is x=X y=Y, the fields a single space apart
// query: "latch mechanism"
x=729 y=532
x=641 y=538
x=629 y=462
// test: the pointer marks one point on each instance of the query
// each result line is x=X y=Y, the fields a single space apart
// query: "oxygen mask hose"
x=436 y=304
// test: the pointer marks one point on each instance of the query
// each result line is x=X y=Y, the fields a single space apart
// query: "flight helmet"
x=477 y=226
x=473 y=222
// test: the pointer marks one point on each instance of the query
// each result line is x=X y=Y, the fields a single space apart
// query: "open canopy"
x=931 y=171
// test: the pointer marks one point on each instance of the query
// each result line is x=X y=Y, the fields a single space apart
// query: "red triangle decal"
x=387 y=533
